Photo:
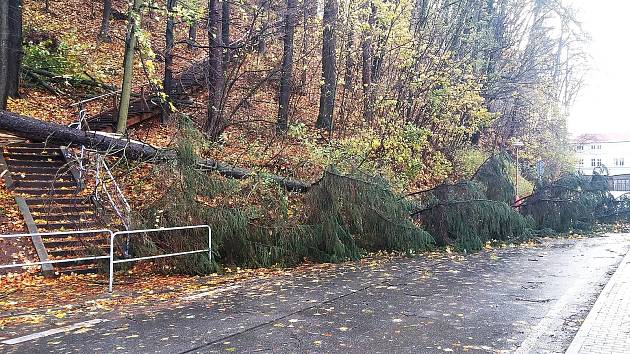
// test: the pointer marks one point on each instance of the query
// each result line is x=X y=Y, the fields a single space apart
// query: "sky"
x=603 y=105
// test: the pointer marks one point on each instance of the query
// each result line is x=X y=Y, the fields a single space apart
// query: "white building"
x=608 y=154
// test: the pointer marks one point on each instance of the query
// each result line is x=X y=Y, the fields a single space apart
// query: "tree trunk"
x=168 y=62
x=10 y=49
x=366 y=66
x=348 y=78
x=366 y=51
x=15 y=40
x=103 y=34
x=287 y=69
x=47 y=132
x=225 y=31
x=130 y=45
x=192 y=36
x=306 y=12
x=4 y=53
x=42 y=131
x=214 y=122
x=262 y=42
x=329 y=75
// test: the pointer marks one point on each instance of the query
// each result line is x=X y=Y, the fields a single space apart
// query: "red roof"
x=601 y=138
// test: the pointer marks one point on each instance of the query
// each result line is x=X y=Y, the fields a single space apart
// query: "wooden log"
x=40 y=131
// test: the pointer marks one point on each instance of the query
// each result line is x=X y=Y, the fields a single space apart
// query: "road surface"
x=514 y=299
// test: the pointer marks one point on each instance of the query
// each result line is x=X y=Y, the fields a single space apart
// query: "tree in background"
x=329 y=74
x=10 y=49
x=214 y=122
x=287 y=68
x=167 y=83
x=103 y=33
x=130 y=46
x=225 y=32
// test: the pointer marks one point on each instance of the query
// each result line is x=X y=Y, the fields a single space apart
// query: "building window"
x=596 y=147
x=579 y=148
x=621 y=185
x=581 y=162
x=593 y=163
x=620 y=162
x=599 y=162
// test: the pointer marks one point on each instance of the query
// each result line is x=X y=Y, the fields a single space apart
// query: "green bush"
x=52 y=57
x=572 y=202
x=346 y=216
x=470 y=213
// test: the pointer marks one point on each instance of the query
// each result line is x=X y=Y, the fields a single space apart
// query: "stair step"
x=66 y=177
x=27 y=169
x=30 y=163
x=61 y=209
x=77 y=252
x=65 y=226
x=45 y=185
x=83 y=217
x=60 y=242
x=33 y=157
x=56 y=202
x=49 y=151
x=32 y=145
x=71 y=267
x=55 y=227
x=50 y=192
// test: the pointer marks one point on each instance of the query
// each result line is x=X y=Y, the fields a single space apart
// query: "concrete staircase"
x=49 y=194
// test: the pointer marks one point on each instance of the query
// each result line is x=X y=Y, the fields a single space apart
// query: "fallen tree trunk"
x=227 y=170
x=41 y=131
x=47 y=132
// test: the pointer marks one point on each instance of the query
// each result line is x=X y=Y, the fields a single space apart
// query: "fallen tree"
x=40 y=131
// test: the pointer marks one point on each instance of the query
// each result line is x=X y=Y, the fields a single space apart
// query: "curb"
x=587 y=325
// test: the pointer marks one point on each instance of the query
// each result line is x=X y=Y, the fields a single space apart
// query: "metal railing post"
x=111 y=263
x=130 y=232
x=209 y=244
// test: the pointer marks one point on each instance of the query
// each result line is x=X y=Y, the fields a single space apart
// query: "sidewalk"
x=607 y=326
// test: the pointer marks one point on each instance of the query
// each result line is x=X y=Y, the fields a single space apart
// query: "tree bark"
x=167 y=84
x=366 y=65
x=348 y=78
x=4 y=53
x=287 y=69
x=42 y=131
x=262 y=42
x=214 y=123
x=307 y=7
x=329 y=75
x=366 y=50
x=15 y=40
x=10 y=49
x=130 y=45
x=225 y=31
x=192 y=36
x=103 y=33
x=47 y=132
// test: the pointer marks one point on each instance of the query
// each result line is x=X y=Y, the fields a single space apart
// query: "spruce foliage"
x=572 y=202
x=345 y=217
x=470 y=213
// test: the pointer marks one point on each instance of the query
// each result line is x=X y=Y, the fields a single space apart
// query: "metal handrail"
x=111 y=248
x=112 y=236
x=79 y=103
x=126 y=217
x=30 y=264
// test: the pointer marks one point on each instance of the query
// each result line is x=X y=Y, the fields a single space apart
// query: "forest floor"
x=533 y=297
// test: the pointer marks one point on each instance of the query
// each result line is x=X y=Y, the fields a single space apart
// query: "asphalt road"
x=515 y=299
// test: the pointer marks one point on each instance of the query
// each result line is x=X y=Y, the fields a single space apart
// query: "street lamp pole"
x=517 y=144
